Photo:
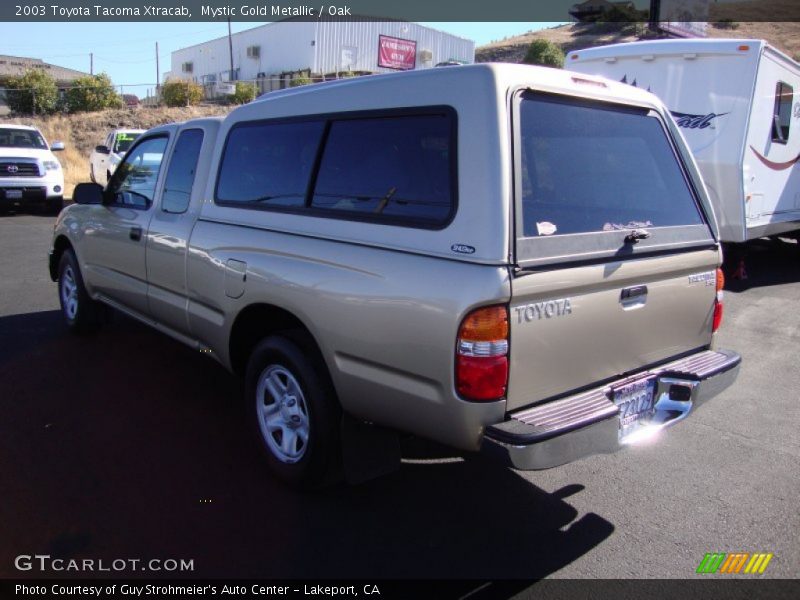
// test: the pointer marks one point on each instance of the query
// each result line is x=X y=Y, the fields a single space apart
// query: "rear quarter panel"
x=386 y=321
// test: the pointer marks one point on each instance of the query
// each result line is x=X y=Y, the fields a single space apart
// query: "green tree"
x=301 y=80
x=179 y=92
x=245 y=92
x=33 y=92
x=93 y=92
x=543 y=52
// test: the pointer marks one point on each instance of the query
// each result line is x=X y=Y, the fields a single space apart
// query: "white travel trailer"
x=737 y=104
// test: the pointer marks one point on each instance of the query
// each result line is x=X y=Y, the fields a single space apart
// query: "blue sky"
x=126 y=51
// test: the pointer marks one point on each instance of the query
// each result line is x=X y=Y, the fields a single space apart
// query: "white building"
x=272 y=54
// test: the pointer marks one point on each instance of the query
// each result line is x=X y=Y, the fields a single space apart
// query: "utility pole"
x=91 y=63
x=158 y=77
x=230 y=47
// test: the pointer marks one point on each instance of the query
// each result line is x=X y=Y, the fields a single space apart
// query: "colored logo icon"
x=736 y=562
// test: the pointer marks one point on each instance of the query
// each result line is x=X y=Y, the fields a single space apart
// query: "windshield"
x=123 y=141
x=22 y=138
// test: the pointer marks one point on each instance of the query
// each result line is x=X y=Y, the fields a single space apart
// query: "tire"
x=81 y=313
x=292 y=411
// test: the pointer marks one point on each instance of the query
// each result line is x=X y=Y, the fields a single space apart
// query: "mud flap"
x=368 y=451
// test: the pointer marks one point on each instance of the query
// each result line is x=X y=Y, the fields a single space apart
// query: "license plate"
x=636 y=404
x=13 y=194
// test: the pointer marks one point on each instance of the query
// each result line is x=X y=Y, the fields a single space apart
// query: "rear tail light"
x=718 y=302
x=482 y=354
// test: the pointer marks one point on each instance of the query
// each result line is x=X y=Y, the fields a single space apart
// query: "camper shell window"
x=588 y=174
x=782 y=116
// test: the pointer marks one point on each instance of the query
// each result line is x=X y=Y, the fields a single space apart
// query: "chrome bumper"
x=567 y=429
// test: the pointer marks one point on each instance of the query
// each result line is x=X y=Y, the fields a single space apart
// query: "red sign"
x=396 y=53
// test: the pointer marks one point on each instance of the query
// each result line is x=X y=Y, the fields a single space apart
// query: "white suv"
x=29 y=172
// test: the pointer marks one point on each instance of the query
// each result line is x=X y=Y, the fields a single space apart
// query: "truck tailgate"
x=575 y=327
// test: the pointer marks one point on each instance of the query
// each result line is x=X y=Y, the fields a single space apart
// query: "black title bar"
x=406 y=10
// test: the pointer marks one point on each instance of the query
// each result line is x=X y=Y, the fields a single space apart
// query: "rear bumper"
x=565 y=430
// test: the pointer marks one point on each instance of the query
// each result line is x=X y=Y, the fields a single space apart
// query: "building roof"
x=14 y=66
x=266 y=27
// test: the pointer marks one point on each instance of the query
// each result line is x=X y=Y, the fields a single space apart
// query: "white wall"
x=287 y=46
x=362 y=38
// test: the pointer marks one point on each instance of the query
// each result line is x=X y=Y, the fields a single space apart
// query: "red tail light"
x=718 y=310
x=482 y=354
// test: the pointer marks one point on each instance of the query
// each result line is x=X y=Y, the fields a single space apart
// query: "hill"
x=785 y=36
x=81 y=132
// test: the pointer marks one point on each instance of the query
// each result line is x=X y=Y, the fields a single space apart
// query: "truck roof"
x=179 y=124
x=15 y=126
x=460 y=80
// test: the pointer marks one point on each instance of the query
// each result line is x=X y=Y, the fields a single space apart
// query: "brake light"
x=718 y=310
x=482 y=354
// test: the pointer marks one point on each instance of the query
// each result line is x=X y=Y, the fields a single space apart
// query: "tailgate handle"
x=637 y=234
x=633 y=292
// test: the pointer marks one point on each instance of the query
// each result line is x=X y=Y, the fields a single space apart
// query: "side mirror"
x=57 y=146
x=88 y=193
x=102 y=149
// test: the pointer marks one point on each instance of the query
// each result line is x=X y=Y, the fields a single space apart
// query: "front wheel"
x=81 y=313
x=293 y=412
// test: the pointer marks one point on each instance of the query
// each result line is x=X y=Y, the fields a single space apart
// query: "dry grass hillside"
x=785 y=36
x=82 y=132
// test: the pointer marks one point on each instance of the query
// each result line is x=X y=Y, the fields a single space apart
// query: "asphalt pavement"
x=127 y=444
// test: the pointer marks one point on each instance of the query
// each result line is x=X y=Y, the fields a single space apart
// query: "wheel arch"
x=60 y=245
x=257 y=321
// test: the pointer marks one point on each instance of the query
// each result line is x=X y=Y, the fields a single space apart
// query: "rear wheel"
x=81 y=313
x=293 y=412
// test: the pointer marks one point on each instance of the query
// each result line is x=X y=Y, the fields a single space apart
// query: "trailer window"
x=782 y=116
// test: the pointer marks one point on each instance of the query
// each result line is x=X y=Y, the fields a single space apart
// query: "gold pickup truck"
x=508 y=259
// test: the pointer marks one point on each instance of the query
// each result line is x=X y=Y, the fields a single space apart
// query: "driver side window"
x=133 y=185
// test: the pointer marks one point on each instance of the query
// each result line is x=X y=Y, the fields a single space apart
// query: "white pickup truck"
x=29 y=173
x=105 y=157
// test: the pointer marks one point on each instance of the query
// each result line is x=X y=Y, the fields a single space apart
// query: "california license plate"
x=13 y=194
x=636 y=404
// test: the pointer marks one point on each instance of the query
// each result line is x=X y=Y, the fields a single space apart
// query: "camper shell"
x=736 y=103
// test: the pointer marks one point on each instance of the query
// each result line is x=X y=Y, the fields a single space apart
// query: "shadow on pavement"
x=767 y=262
x=128 y=445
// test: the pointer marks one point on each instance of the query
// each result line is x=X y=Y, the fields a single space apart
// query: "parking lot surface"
x=127 y=444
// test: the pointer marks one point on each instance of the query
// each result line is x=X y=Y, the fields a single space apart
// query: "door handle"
x=136 y=233
x=633 y=297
